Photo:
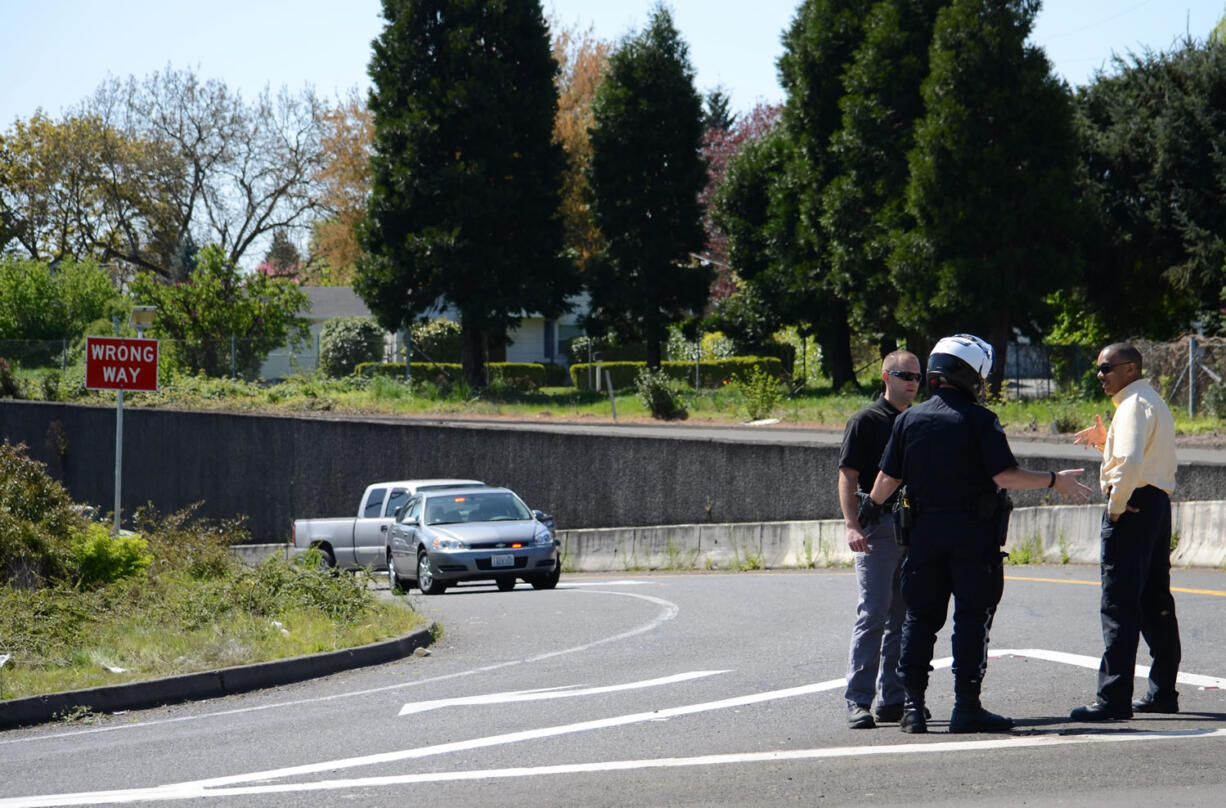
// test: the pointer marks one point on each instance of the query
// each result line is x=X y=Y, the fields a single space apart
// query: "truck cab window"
x=397 y=498
x=374 y=504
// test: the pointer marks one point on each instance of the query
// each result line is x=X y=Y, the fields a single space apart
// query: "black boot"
x=914 y=716
x=968 y=714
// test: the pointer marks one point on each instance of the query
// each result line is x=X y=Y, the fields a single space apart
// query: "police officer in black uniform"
x=953 y=456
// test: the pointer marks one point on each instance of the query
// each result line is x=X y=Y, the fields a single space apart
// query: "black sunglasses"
x=906 y=375
x=1106 y=367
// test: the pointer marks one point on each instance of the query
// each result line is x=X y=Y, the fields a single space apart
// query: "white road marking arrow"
x=564 y=692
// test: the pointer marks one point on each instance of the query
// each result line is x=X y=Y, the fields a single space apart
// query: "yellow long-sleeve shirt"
x=1140 y=446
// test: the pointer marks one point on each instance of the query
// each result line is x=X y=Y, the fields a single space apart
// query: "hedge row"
x=522 y=375
x=712 y=373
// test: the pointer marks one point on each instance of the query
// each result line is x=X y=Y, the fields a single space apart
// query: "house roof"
x=334 y=301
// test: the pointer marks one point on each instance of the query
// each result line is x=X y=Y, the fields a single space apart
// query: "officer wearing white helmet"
x=953 y=456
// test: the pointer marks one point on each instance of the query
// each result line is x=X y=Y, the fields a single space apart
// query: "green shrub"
x=556 y=375
x=515 y=375
x=185 y=543
x=437 y=340
x=760 y=392
x=660 y=394
x=38 y=521
x=274 y=587
x=1215 y=400
x=101 y=558
x=9 y=386
x=345 y=342
x=608 y=348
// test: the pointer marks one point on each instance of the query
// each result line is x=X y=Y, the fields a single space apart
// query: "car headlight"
x=449 y=544
x=542 y=536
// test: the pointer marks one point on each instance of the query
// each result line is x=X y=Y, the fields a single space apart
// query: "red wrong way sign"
x=120 y=363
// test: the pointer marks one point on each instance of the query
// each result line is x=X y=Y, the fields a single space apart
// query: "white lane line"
x=1080 y=660
x=669 y=610
x=522 y=735
x=227 y=785
x=579 y=584
x=542 y=694
x=184 y=791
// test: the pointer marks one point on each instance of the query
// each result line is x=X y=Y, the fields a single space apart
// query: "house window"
x=551 y=338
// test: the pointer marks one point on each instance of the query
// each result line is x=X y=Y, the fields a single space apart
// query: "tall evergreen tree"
x=866 y=203
x=1153 y=136
x=817 y=48
x=466 y=172
x=646 y=175
x=717 y=110
x=993 y=180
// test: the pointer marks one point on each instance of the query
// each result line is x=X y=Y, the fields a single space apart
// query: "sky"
x=54 y=53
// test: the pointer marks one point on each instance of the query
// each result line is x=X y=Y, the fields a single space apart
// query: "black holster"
x=904 y=518
x=996 y=506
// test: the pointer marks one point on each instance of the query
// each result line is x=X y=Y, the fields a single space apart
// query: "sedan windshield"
x=444 y=510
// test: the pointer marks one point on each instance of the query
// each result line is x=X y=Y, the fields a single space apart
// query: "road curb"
x=207 y=684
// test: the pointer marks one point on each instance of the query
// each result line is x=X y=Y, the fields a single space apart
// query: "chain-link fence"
x=1188 y=372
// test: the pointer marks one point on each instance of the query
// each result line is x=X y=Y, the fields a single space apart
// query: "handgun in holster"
x=904 y=518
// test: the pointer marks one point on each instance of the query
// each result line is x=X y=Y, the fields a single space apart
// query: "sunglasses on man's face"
x=906 y=375
x=1107 y=367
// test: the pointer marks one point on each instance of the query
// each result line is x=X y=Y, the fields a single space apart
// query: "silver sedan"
x=444 y=537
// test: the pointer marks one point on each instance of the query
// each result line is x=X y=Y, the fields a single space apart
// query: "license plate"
x=505 y=560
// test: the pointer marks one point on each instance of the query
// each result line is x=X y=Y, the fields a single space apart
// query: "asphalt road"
x=662 y=689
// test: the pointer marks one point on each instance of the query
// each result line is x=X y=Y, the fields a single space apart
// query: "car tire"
x=395 y=581
x=547 y=580
x=425 y=577
x=505 y=583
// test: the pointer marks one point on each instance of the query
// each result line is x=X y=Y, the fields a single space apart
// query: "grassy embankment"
x=80 y=608
x=816 y=406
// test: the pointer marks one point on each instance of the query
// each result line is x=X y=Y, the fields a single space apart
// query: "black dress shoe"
x=892 y=713
x=978 y=720
x=1100 y=712
x=913 y=721
x=1162 y=704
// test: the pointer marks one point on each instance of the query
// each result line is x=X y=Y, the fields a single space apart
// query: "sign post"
x=118 y=363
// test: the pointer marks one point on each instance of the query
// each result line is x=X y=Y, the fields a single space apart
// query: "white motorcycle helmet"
x=962 y=360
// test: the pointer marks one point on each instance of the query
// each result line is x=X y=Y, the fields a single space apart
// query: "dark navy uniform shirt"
x=946 y=451
x=865 y=438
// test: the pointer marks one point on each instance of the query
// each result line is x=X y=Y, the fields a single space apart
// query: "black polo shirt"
x=946 y=451
x=864 y=439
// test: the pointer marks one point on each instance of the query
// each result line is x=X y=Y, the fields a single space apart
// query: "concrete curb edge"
x=207 y=684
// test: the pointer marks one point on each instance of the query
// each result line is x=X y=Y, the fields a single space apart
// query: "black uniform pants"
x=952 y=553
x=1136 y=598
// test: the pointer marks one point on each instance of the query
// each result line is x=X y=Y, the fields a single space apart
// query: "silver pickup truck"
x=353 y=542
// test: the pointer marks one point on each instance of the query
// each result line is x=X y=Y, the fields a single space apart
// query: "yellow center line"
x=1214 y=592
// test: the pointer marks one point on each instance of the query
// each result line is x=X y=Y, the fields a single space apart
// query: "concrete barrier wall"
x=1054 y=535
x=275 y=469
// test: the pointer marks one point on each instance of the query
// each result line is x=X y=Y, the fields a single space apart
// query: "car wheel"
x=395 y=581
x=547 y=580
x=505 y=584
x=425 y=577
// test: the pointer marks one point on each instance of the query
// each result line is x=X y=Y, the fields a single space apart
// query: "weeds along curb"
x=207 y=684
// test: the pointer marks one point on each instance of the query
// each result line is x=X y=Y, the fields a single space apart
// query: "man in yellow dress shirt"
x=1137 y=477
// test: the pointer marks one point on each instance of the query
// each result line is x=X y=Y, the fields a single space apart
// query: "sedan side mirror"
x=545 y=519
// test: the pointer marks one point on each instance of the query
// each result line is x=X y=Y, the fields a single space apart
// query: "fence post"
x=1191 y=376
